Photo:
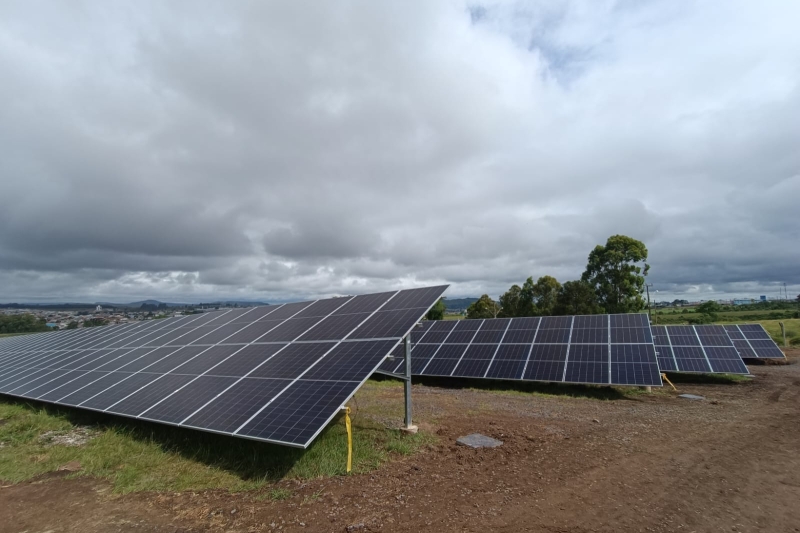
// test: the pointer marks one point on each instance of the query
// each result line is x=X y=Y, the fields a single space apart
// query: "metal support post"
x=409 y=427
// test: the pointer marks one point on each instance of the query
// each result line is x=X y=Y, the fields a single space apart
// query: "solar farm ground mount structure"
x=590 y=349
x=276 y=373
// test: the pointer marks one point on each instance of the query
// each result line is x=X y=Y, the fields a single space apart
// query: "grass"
x=141 y=456
x=275 y=495
x=792 y=330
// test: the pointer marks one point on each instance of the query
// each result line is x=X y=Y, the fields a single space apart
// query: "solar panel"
x=595 y=349
x=753 y=341
x=697 y=349
x=276 y=373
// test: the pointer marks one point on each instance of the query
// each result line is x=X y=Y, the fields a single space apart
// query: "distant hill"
x=458 y=304
x=143 y=304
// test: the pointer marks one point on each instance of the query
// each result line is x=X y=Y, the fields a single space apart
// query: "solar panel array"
x=753 y=341
x=277 y=373
x=596 y=349
x=701 y=349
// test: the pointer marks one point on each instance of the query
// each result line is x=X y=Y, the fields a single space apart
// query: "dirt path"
x=654 y=463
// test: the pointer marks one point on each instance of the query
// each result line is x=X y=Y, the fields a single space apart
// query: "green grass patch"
x=140 y=456
x=275 y=495
x=792 y=330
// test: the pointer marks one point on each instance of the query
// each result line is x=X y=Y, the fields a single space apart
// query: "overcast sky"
x=190 y=151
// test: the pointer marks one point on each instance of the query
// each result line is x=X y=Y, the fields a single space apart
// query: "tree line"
x=613 y=282
x=26 y=323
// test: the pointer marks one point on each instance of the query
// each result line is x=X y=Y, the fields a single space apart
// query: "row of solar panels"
x=598 y=349
x=280 y=373
x=276 y=373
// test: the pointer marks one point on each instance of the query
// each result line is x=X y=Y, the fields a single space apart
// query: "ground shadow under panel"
x=532 y=387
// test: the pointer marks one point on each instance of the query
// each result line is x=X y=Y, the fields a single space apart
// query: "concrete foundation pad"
x=476 y=440
x=410 y=430
x=691 y=397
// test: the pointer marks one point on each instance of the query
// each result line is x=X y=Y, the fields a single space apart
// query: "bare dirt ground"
x=652 y=463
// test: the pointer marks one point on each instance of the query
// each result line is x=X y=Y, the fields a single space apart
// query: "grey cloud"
x=271 y=151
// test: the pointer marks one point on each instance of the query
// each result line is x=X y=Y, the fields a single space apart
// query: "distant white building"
x=98 y=309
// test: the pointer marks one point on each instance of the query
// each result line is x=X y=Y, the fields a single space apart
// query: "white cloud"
x=261 y=150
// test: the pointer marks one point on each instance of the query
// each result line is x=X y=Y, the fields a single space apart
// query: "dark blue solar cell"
x=588 y=353
x=440 y=366
x=725 y=359
x=335 y=327
x=480 y=351
x=101 y=357
x=487 y=337
x=589 y=336
x=641 y=374
x=468 y=325
x=444 y=325
x=92 y=388
x=27 y=385
x=150 y=394
x=495 y=324
x=461 y=337
x=187 y=400
x=21 y=377
x=744 y=349
x=222 y=334
x=631 y=335
x=555 y=322
x=632 y=353
x=542 y=370
x=293 y=360
x=323 y=308
x=587 y=372
x=434 y=337
x=506 y=369
x=555 y=336
x=683 y=340
x=58 y=382
x=690 y=359
x=513 y=352
x=385 y=324
x=637 y=320
x=519 y=336
x=548 y=352
x=665 y=362
x=286 y=311
x=424 y=297
x=471 y=368
x=241 y=361
x=761 y=344
x=127 y=386
x=531 y=323
x=182 y=356
x=299 y=413
x=591 y=322
x=312 y=328
x=237 y=404
x=389 y=365
x=353 y=361
x=71 y=386
x=365 y=303
x=254 y=332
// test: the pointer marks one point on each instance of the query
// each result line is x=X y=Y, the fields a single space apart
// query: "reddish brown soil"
x=650 y=463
